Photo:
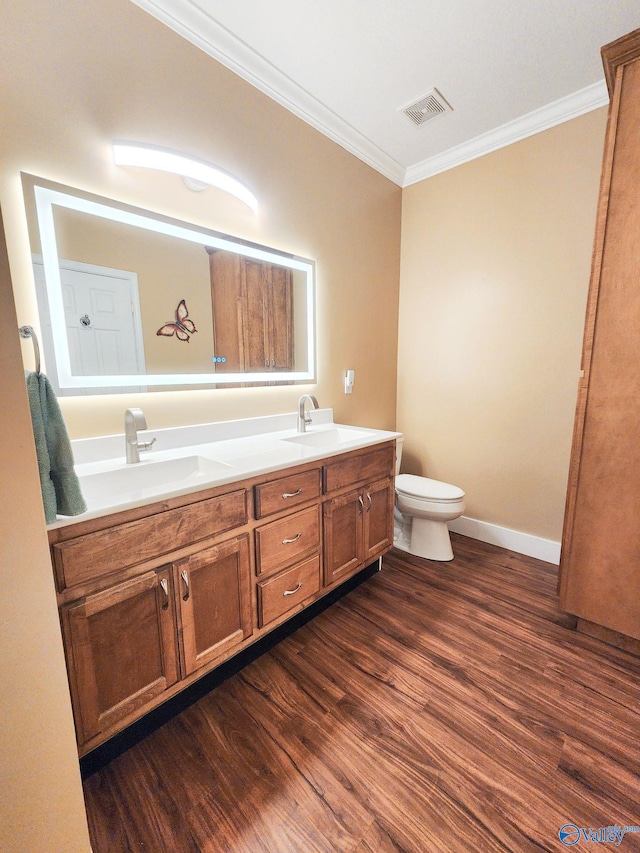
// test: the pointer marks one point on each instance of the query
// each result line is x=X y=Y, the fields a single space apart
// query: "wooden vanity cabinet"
x=155 y=598
x=358 y=524
x=128 y=644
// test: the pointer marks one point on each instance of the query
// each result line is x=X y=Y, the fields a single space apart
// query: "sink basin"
x=332 y=437
x=149 y=476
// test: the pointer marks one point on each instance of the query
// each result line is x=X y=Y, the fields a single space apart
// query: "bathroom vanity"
x=156 y=591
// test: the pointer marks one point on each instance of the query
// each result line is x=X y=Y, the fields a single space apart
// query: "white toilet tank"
x=399 y=443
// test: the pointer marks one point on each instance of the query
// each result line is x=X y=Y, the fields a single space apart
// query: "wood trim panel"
x=612 y=638
x=110 y=550
x=619 y=52
x=363 y=466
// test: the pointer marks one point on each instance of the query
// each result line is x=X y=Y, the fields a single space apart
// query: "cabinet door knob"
x=293 y=591
x=164 y=585
x=294 y=539
x=292 y=494
x=184 y=574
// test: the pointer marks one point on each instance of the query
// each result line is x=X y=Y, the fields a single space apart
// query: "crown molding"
x=564 y=109
x=195 y=25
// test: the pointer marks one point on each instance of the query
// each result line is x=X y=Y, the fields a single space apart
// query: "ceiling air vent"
x=427 y=108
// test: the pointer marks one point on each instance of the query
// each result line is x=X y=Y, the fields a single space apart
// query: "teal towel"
x=61 y=493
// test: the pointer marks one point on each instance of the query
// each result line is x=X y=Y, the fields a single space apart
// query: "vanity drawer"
x=286 y=492
x=286 y=541
x=282 y=592
x=360 y=468
x=95 y=555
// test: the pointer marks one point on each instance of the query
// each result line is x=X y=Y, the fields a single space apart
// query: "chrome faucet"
x=134 y=420
x=303 y=417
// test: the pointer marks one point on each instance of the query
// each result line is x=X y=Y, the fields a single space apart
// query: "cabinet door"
x=378 y=519
x=257 y=356
x=281 y=319
x=213 y=591
x=121 y=650
x=227 y=277
x=342 y=535
x=252 y=309
x=600 y=562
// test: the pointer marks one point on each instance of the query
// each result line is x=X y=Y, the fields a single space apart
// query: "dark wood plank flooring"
x=437 y=708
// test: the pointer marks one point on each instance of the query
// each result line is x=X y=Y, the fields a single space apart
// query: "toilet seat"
x=413 y=486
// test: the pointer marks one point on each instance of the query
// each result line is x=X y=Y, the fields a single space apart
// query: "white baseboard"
x=513 y=540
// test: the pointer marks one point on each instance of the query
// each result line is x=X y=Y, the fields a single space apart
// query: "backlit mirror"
x=131 y=300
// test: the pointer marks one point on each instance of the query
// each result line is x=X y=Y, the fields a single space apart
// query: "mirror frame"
x=47 y=197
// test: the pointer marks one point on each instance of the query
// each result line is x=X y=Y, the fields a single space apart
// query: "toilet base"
x=429 y=539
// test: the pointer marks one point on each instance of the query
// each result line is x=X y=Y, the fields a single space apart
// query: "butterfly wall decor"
x=182 y=328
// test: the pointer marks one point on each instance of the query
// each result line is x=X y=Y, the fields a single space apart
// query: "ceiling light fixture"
x=197 y=174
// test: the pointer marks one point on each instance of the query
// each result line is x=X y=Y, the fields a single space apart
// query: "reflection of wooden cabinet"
x=252 y=304
x=600 y=565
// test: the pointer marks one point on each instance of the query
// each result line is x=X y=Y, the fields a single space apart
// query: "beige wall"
x=494 y=277
x=74 y=76
x=41 y=805
x=74 y=81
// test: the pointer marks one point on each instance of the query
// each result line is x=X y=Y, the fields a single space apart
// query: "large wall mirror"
x=131 y=300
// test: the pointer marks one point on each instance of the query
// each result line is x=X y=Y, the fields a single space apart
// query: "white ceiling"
x=509 y=68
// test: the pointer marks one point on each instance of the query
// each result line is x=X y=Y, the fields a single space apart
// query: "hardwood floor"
x=439 y=708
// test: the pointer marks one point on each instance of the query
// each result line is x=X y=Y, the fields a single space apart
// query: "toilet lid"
x=423 y=487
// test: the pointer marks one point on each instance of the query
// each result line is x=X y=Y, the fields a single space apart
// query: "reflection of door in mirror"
x=252 y=304
x=102 y=319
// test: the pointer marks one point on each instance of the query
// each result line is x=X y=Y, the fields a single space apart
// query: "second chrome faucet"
x=134 y=420
x=304 y=418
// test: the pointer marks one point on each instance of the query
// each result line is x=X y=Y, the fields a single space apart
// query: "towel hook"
x=29 y=332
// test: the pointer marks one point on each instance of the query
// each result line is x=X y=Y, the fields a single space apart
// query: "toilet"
x=423 y=508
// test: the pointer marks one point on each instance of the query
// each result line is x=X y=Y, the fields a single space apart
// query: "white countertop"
x=192 y=458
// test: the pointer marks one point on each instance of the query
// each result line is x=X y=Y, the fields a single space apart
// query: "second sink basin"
x=328 y=437
x=150 y=475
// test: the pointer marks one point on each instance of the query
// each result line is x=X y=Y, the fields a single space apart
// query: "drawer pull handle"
x=293 y=591
x=370 y=502
x=294 y=539
x=164 y=585
x=361 y=502
x=184 y=574
x=292 y=494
